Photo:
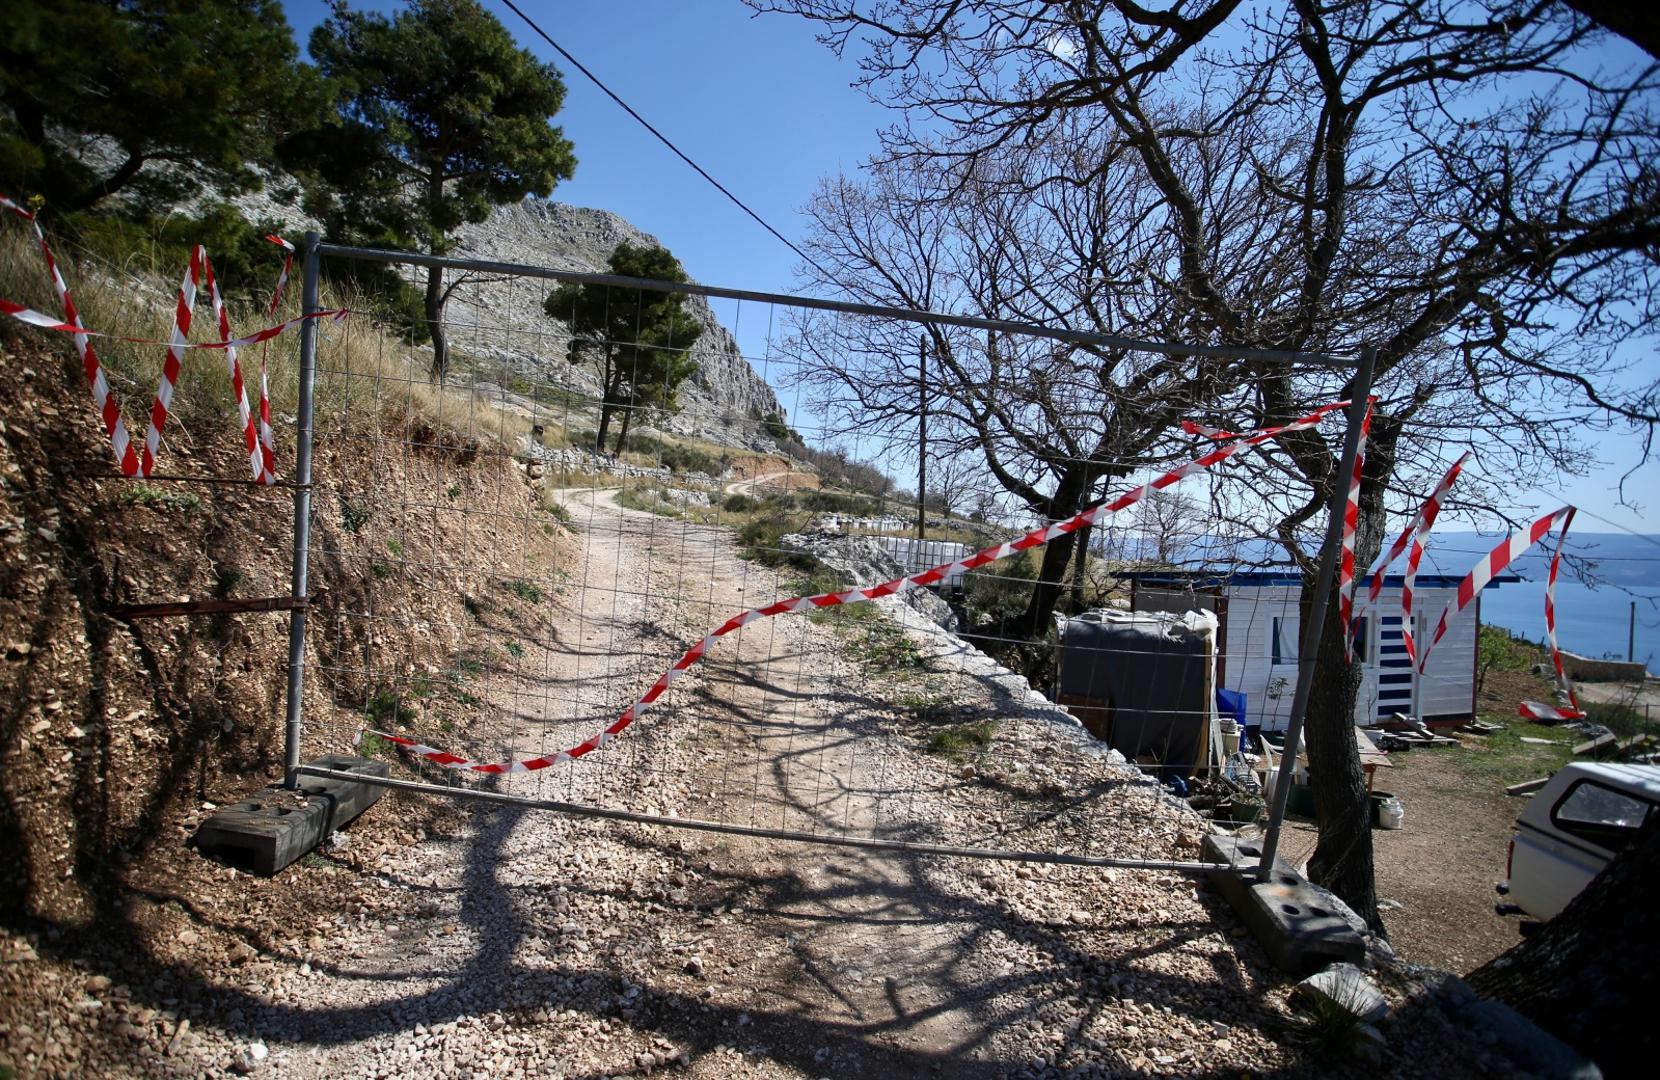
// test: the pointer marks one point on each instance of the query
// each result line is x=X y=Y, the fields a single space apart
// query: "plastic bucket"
x=1230 y=738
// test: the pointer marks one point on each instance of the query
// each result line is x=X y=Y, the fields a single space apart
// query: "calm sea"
x=1590 y=622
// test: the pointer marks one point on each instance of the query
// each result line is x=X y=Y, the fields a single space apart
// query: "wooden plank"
x=1591 y=746
x=1527 y=787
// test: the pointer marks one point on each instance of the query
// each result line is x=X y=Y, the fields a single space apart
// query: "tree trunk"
x=90 y=196
x=435 y=323
x=622 y=436
x=1057 y=554
x=1342 y=860
x=1079 y=566
x=1587 y=976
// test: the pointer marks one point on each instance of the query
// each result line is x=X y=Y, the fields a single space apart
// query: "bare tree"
x=1467 y=188
x=1050 y=421
x=1166 y=521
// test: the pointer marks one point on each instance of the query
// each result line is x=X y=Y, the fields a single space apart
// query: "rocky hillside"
x=503 y=320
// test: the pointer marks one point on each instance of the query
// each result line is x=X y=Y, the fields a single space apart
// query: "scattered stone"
x=694 y=967
x=249 y=1058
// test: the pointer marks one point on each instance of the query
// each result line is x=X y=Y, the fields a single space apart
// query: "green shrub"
x=761 y=538
x=386 y=706
x=141 y=494
x=999 y=592
x=524 y=590
x=354 y=514
x=372 y=745
x=738 y=503
x=960 y=739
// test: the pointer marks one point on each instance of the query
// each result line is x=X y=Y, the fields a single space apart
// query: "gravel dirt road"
x=440 y=939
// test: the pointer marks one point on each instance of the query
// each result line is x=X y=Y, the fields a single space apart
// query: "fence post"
x=1359 y=390
x=302 y=515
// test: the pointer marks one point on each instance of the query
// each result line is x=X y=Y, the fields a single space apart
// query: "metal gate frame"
x=1360 y=387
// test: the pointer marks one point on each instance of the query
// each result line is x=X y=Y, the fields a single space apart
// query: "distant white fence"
x=915 y=556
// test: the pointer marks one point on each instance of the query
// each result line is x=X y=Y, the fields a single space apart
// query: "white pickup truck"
x=1572 y=828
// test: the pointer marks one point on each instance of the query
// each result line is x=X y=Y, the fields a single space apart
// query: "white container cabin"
x=1261 y=630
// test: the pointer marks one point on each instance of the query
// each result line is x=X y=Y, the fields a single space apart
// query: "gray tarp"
x=1148 y=679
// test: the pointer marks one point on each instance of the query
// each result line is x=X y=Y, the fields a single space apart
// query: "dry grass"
x=365 y=375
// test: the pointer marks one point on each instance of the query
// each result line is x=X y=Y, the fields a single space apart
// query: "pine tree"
x=439 y=117
x=210 y=85
x=640 y=339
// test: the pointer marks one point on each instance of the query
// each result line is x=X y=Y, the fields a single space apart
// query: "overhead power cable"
x=664 y=139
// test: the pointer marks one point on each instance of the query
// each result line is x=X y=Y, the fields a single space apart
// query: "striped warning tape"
x=109 y=410
x=1416 y=534
x=131 y=461
x=183 y=306
x=47 y=322
x=1573 y=712
x=267 y=439
x=1492 y=564
x=1035 y=538
x=233 y=367
x=1351 y=523
x=1351 y=519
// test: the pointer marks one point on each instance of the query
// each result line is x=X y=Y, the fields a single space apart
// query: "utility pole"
x=1631 y=635
x=922 y=437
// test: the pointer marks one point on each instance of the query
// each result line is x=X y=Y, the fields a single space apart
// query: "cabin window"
x=1284 y=647
x=1361 y=642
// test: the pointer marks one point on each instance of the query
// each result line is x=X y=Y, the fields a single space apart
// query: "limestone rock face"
x=503 y=320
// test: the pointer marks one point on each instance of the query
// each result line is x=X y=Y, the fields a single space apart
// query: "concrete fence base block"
x=273 y=827
x=1302 y=926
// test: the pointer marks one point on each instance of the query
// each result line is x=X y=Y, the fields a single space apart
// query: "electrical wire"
x=664 y=139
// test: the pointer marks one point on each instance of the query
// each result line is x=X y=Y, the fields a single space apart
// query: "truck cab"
x=1573 y=827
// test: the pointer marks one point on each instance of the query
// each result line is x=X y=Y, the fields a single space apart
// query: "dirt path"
x=785 y=757
x=452 y=941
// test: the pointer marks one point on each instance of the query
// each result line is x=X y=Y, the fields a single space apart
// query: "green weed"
x=160 y=498
x=524 y=590
x=354 y=514
x=960 y=739
x=387 y=707
x=373 y=745
x=515 y=650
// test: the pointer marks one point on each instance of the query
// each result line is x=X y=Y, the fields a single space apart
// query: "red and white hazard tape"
x=1035 y=538
x=109 y=410
x=1416 y=534
x=46 y=322
x=233 y=367
x=258 y=436
x=1538 y=710
x=267 y=439
x=1351 y=522
x=1573 y=712
x=1491 y=565
x=183 y=307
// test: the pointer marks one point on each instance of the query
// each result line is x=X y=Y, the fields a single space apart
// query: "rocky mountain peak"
x=504 y=318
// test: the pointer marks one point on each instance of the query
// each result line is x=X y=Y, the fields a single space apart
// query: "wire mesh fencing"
x=548 y=552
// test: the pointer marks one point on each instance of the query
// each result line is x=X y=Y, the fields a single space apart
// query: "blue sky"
x=755 y=101
x=768 y=111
